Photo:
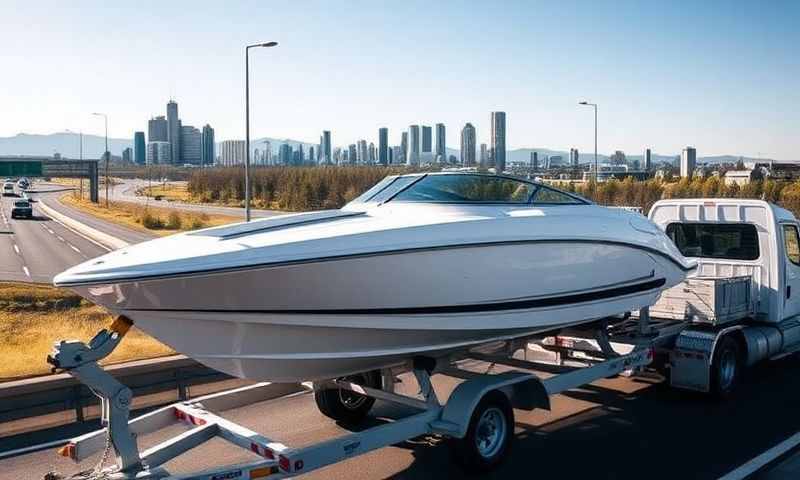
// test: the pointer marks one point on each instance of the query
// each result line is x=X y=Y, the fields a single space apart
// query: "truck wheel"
x=725 y=368
x=489 y=435
x=346 y=406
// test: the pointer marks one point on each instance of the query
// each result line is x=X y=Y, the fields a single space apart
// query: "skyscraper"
x=363 y=152
x=484 y=155
x=688 y=161
x=498 y=139
x=535 y=161
x=646 y=162
x=326 y=147
x=383 y=146
x=468 y=145
x=139 y=148
x=158 y=153
x=427 y=143
x=412 y=152
x=232 y=152
x=441 y=144
x=127 y=155
x=352 y=154
x=403 y=157
x=174 y=131
x=285 y=154
x=373 y=153
x=573 y=157
x=191 y=142
x=207 y=153
x=157 y=129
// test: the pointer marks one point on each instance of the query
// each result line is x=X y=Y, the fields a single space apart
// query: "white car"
x=8 y=189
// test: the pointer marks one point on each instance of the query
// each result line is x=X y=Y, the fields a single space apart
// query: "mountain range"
x=68 y=145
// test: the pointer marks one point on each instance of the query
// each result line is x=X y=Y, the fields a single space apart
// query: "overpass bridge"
x=32 y=166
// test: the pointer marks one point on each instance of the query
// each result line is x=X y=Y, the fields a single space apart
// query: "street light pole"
x=106 y=154
x=595 y=140
x=247 y=124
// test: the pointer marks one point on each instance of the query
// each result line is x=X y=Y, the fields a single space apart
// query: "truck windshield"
x=715 y=240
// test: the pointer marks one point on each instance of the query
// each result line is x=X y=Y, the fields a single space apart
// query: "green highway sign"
x=21 y=169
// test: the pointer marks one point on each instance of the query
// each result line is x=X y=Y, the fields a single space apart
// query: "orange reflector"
x=121 y=325
x=262 y=472
x=67 y=450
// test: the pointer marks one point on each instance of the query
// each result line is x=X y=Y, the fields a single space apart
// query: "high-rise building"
x=427 y=141
x=285 y=154
x=383 y=146
x=362 y=152
x=158 y=153
x=535 y=161
x=139 y=148
x=157 y=129
x=191 y=143
x=646 y=162
x=397 y=155
x=207 y=153
x=403 y=158
x=412 y=152
x=468 y=145
x=127 y=155
x=484 y=155
x=498 y=141
x=372 y=153
x=232 y=152
x=352 y=153
x=174 y=130
x=573 y=157
x=618 y=158
x=311 y=155
x=441 y=142
x=688 y=161
x=326 y=147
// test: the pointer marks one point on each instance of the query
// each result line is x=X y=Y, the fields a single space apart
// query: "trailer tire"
x=488 y=437
x=726 y=368
x=345 y=406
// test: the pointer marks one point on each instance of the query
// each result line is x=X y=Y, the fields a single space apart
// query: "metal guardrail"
x=54 y=400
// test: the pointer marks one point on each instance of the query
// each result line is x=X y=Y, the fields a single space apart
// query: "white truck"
x=741 y=306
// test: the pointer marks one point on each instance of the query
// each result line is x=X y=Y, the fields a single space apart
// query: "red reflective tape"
x=254 y=447
x=284 y=463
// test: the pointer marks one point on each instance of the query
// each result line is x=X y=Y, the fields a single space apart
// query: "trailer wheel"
x=346 y=406
x=489 y=435
x=725 y=368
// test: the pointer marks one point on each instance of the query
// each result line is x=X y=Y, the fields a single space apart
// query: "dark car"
x=22 y=209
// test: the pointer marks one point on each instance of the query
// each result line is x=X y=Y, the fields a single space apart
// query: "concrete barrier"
x=102 y=238
x=55 y=400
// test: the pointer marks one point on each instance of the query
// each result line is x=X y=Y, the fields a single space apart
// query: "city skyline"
x=728 y=86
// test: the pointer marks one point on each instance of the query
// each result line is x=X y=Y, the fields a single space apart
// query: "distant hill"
x=68 y=145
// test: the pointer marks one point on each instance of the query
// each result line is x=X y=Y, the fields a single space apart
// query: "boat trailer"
x=478 y=414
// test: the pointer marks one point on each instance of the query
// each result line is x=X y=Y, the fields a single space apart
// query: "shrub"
x=151 y=221
x=174 y=221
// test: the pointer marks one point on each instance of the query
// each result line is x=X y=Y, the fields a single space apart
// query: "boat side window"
x=548 y=195
x=791 y=241
x=733 y=241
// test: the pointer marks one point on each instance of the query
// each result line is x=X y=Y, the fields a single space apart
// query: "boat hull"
x=324 y=318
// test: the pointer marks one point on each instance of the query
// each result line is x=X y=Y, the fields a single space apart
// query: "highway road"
x=126 y=191
x=36 y=250
x=613 y=429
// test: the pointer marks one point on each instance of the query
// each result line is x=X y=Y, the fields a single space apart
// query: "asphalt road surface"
x=36 y=250
x=613 y=429
x=126 y=191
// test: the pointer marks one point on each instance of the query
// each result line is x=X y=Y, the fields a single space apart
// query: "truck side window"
x=791 y=240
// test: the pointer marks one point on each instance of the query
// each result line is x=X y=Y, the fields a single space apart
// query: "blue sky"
x=722 y=76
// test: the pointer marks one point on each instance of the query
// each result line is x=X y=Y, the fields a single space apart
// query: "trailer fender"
x=524 y=390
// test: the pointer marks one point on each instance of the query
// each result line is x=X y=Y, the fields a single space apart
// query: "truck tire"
x=345 y=406
x=725 y=368
x=488 y=438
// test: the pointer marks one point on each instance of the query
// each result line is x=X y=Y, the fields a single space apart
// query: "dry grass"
x=171 y=192
x=33 y=317
x=158 y=220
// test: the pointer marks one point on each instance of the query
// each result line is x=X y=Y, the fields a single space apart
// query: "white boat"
x=419 y=265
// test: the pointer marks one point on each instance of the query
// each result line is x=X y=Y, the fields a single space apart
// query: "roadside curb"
x=93 y=234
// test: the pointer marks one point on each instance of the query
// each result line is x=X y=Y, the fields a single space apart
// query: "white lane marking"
x=25 y=269
x=760 y=461
x=16 y=249
x=74 y=247
x=61 y=238
x=81 y=235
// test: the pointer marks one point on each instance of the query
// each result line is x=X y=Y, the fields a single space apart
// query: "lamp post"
x=595 y=140
x=247 y=123
x=105 y=119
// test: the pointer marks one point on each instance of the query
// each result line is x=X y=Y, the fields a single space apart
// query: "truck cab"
x=734 y=238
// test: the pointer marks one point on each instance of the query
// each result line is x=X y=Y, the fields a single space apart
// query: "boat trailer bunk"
x=478 y=414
